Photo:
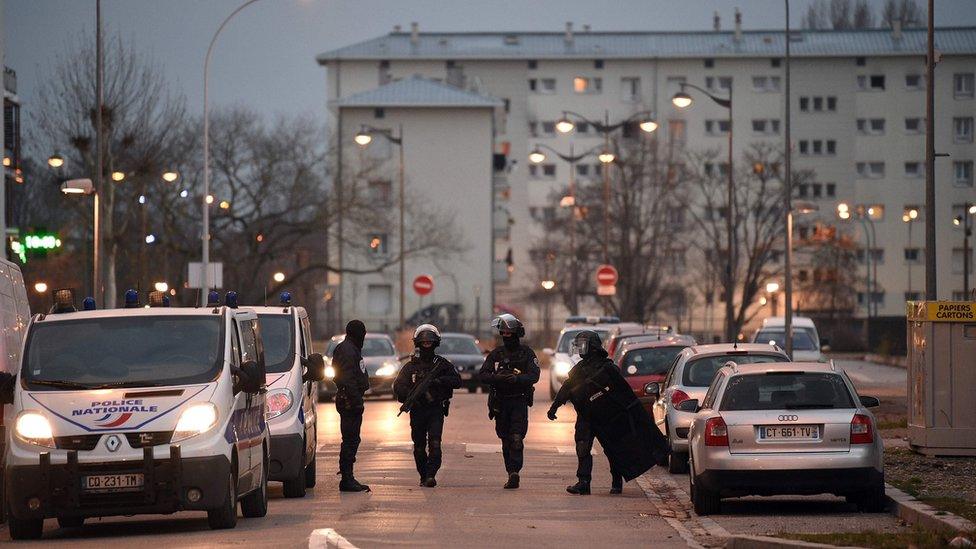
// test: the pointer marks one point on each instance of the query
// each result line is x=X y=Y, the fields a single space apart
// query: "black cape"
x=631 y=440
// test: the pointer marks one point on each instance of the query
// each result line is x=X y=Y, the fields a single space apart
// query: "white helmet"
x=426 y=332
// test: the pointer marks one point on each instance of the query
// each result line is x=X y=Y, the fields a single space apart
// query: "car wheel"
x=310 y=468
x=255 y=504
x=678 y=462
x=71 y=522
x=295 y=488
x=225 y=516
x=25 y=528
x=704 y=501
x=872 y=501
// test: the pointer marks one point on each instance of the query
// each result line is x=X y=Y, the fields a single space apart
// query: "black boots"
x=581 y=488
x=350 y=484
x=618 y=486
x=513 y=481
x=429 y=482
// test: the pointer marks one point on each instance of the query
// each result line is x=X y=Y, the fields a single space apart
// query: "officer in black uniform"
x=352 y=382
x=511 y=372
x=587 y=344
x=425 y=386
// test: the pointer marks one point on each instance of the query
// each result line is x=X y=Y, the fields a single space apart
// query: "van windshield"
x=801 y=340
x=567 y=338
x=123 y=351
x=278 y=336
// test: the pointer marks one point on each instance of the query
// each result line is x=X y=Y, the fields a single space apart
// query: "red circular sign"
x=423 y=284
x=606 y=275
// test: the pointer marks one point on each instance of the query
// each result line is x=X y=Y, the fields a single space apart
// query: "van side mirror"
x=8 y=382
x=690 y=405
x=251 y=377
x=870 y=402
x=314 y=367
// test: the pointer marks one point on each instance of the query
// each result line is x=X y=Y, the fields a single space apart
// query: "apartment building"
x=857 y=110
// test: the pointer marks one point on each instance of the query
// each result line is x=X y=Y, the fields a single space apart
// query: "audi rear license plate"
x=113 y=483
x=789 y=432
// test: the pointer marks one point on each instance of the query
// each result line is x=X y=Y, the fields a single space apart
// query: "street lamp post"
x=772 y=288
x=363 y=139
x=85 y=186
x=870 y=238
x=909 y=218
x=205 y=252
x=569 y=201
x=682 y=100
x=964 y=220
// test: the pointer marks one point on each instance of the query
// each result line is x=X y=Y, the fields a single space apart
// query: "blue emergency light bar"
x=230 y=299
x=285 y=298
x=88 y=304
x=131 y=299
x=213 y=299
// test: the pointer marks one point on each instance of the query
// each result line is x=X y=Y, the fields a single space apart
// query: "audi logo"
x=789 y=417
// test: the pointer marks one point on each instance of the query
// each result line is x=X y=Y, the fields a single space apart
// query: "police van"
x=135 y=411
x=291 y=373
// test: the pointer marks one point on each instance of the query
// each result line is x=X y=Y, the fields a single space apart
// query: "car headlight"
x=562 y=368
x=388 y=369
x=277 y=402
x=33 y=428
x=329 y=372
x=195 y=420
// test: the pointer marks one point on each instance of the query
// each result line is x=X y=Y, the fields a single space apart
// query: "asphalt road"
x=469 y=507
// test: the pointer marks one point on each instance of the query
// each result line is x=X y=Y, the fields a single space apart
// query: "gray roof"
x=622 y=45
x=417 y=91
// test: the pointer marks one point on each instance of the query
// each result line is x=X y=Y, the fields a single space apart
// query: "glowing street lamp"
x=170 y=176
x=363 y=138
x=161 y=286
x=279 y=277
x=55 y=161
x=537 y=156
x=565 y=125
x=40 y=287
x=682 y=100
x=118 y=176
x=548 y=285
x=772 y=287
x=606 y=157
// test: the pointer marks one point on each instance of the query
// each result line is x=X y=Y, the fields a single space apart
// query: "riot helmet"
x=586 y=342
x=426 y=333
x=507 y=324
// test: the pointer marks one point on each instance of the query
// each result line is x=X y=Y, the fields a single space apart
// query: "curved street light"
x=55 y=161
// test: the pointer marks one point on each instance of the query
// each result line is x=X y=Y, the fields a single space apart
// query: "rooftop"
x=419 y=92
x=627 y=45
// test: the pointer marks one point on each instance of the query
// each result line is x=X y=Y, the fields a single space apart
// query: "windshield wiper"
x=118 y=384
x=807 y=406
x=60 y=384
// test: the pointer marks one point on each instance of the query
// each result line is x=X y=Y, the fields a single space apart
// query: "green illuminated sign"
x=42 y=241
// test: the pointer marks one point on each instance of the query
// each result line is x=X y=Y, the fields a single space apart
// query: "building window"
x=533 y=64
x=716 y=127
x=818 y=147
x=913 y=169
x=589 y=85
x=962 y=85
x=876 y=254
x=549 y=171
x=709 y=63
x=380 y=192
x=766 y=83
x=962 y=129
x=817 y=190
x=913 y=125
x=871 y=126
x=860 y=61
x=548 y=128
x=831 y=190
x=913 y=255
x=542 y=85
x=915 y=296
x=533 y=128
x=533 y=171
x=379 y=113
x=876 y=298
x=801 y=190
x=874 y=82
x=598 y=64
x=871 y=170
x=597 y=169
x=964 y=173
x=831 y=146
x=718 y=83
x=765 y=127
x=913 y=81
x=582 y=127
x=804 y=146
x=630 y=89
x=805 y=104
x=378 y=244
x=831 y=103
x=583 y=170
x=775 y=62
x=533 y=85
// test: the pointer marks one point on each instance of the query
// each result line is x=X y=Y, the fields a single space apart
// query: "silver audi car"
x=689 y=378
x=784 y=428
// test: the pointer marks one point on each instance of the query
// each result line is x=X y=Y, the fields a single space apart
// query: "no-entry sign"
x=423 y=284
x=606 y=275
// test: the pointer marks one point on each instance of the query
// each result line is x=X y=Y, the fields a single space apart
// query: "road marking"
x=472 y=448
x=327 y=538
x=571 y=450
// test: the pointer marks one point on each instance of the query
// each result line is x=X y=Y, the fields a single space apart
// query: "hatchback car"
x=689 y=378
x=382 y=365
x=465 y=353
x=784 y=428
x=645 y=364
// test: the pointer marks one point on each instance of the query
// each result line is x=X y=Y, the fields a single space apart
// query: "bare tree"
x=816 y=16
x=863 y=17
x=909 y=12
x=838 y=15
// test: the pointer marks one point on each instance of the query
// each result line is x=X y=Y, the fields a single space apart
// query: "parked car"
x=677 y=339
x=464 y=351
x=382 y=365
x=616 y=336
x=784 y=428
x=645 y=364
x=806 y=340
x=689 y=378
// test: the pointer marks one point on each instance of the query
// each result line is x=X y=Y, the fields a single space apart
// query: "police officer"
x=352 y=382
x=511 y=372
x=594 y=358
x=425 y=385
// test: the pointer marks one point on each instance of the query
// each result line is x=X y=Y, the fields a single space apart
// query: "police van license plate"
x=113 y=483
x=789 y=432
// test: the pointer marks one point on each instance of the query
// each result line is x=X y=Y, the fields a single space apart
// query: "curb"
x=766 y=542
x=906 y=507
x=327 y=538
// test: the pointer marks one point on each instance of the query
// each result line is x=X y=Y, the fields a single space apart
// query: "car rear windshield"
x=786 y=391
x=378 y=346
x=123 y=351
x=700 y=372
x=648 y=362
x=458 y=346
x=801 y=340
x=278 y=336
x=567 y=339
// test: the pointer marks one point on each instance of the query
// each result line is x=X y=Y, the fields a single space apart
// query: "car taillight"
x=678 y=396
x=861 y=431
x=716 y=432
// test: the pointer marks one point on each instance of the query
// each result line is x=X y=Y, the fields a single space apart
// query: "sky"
x=265 y=57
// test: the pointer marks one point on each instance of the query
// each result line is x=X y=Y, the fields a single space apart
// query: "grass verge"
x=875 y=540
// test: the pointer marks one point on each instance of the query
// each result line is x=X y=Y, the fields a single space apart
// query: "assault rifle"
x=420 y=388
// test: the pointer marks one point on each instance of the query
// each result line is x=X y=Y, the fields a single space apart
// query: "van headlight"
x=195 y=420
x=388 y=369
x=277 y=402
x=33 y=428
x=329 y=372
x=561 y=368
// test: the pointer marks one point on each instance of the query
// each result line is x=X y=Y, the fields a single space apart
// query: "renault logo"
x=113 y=443
x=788 y=418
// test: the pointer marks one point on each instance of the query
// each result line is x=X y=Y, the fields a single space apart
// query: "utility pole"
x=99 y=153
x=788 y=182
x=931 y=285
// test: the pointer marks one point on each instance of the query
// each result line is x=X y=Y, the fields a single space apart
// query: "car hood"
x=465 y=361
x=374 y=363
x=116 y=410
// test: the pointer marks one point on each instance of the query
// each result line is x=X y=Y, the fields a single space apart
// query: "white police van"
x=291 y=372
x=135 y=411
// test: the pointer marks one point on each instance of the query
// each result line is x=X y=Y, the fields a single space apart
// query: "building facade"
x=858 y=107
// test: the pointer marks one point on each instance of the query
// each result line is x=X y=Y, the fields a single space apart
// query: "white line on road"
x=472 y=448
x=327 y=538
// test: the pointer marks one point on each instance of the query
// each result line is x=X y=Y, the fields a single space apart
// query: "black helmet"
x=427 y=333
x=508 y=322
x=585 y=342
